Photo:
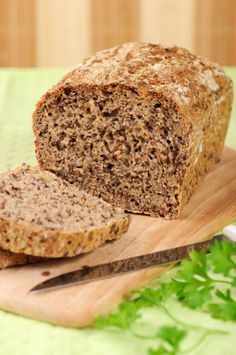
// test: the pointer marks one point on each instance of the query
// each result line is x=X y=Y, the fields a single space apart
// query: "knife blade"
x=114 y=268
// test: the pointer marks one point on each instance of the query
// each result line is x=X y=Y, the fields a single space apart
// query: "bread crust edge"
x=36 y=241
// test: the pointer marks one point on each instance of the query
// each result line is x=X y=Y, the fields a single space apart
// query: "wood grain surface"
x=212 y=207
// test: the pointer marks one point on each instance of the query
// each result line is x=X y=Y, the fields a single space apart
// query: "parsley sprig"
x=204 y=281
x=197 y=280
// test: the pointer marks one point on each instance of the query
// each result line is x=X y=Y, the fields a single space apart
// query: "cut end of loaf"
x=43 y=215
x=115 y=145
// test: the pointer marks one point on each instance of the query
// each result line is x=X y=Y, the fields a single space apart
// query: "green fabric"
x=19 y=90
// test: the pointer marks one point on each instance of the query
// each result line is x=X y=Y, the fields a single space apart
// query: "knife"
x=110 y=269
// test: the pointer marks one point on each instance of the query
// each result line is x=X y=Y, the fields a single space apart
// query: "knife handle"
x=230 y=232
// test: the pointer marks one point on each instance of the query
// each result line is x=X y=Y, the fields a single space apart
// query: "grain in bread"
x=139 y=125
x=43 y=215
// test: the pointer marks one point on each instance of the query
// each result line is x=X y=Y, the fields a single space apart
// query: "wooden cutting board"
x=211 y=207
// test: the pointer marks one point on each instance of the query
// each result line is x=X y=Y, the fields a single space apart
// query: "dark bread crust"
x=170 y=73
x=190 y=97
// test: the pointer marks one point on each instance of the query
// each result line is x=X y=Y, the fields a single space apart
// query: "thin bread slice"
x=7 y=259
x=43 y=215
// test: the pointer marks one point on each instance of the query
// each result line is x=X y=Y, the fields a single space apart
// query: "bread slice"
x=139 y=125
x=8 y=259
x=42 y=215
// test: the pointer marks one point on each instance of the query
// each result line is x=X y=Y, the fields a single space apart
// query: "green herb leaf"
x=172 y=335
x=195 y=293
x=194 y=285
x=196 y=265
x=123 y=318
x=225 y=310
x=151 y=297
x=221 y=257
x=224 y=296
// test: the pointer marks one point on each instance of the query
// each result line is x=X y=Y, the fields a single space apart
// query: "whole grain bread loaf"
x=43 y=215
x=139 y=125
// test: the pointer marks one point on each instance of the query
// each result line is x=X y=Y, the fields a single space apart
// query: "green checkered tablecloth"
x=19 y=90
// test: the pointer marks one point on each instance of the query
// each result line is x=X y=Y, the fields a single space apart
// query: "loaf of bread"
x=43 y=215
x=139 y=125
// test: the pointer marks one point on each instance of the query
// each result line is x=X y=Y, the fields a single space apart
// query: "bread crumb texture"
x=139 y=125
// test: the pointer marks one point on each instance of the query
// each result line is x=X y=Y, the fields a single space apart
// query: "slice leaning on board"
x=148 y=155
x=43 y=215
